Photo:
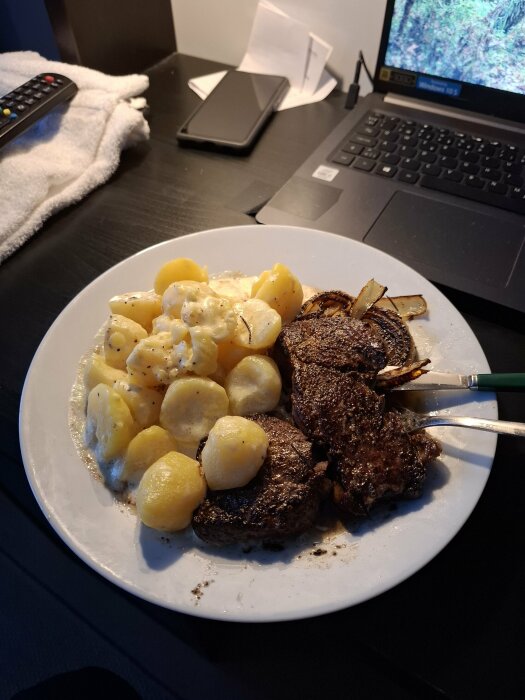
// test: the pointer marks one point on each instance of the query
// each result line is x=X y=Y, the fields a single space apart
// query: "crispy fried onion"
x=367 y=297
x=337 y=303
x=391 y=377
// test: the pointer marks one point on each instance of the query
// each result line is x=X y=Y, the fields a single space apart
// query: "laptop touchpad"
x=447 y=242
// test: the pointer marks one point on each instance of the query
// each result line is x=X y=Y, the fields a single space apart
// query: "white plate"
x=310 y=577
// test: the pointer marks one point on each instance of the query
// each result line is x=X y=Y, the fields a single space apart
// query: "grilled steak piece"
x=281 y=501
x=372 y=458
x=338 y=342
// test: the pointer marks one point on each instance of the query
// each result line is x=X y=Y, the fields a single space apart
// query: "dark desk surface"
x=453 y=630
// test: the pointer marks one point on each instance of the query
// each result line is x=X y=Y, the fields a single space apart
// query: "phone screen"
x=235 y=107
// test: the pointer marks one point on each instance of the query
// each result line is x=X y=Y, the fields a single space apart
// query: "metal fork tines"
x=417 y=421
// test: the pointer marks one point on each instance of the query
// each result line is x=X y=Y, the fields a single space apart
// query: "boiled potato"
x=229 y=354
x=258 y=325
x=121 y=337
x=253 y=386
x=151 y=363
x=177 y=270
x=141 y=307
x=281 y=290
x=234 y=452
x=109 y=418
x=99 y=372
x=145 y=448
x=191 y=407
x=169 y=492
x=143 y=402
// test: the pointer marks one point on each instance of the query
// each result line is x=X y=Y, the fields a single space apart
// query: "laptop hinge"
x=475 y=118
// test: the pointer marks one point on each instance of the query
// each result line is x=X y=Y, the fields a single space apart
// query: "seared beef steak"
x=331 y=363
x=385 y=464
x=371 y=455
x=281 y=501
x=339 y=343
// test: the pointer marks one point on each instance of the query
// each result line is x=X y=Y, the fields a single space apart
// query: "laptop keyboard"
x=455 y=162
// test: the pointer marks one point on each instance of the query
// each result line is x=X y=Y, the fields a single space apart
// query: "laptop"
x=430 y=167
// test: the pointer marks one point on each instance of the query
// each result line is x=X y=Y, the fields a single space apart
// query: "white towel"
x=68 y=153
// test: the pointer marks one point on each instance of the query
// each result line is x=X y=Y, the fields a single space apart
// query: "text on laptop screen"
x=481 y=42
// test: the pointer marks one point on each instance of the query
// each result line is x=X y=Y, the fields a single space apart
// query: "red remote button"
x=49 y=79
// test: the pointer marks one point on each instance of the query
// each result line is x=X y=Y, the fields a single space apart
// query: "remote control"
x=31 y=101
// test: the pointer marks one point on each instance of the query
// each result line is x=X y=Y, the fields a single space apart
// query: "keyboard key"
x=363 y=140
x=431 y=169
x=371 y=153
x=470 y=168
x=490 y=162
x=387 y=146
x=497 y=187
x=452 y=175
x=515 y=180
x=490 y=173
x=477 y=195
x=518 y=193
x=391 y=136
x=471 y=157
x=474 y=181
x=408 y=176
x=353 y=148
x=391 y=158
x=450 y=151
x=368 y=130
x=511 y=167
x=427 y=157
x=343 y=158
x=410 y=164
x=364 y=163
x=407 y=151
x=386 y=170
x=447 y=162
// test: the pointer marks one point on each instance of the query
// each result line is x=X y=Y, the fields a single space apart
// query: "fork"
x=417 y=421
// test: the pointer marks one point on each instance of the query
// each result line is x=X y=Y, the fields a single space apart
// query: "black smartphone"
x=235 y=111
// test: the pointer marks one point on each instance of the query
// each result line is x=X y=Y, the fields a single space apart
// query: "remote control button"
x=13 y=115
x=46 y=89
x=38 y=95
x=29 y=101
x=21 y=108
x=49 y=78
x=6 y=111
x=54 y=85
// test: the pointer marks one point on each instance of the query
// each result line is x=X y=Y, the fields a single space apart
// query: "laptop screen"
x=469 y=54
